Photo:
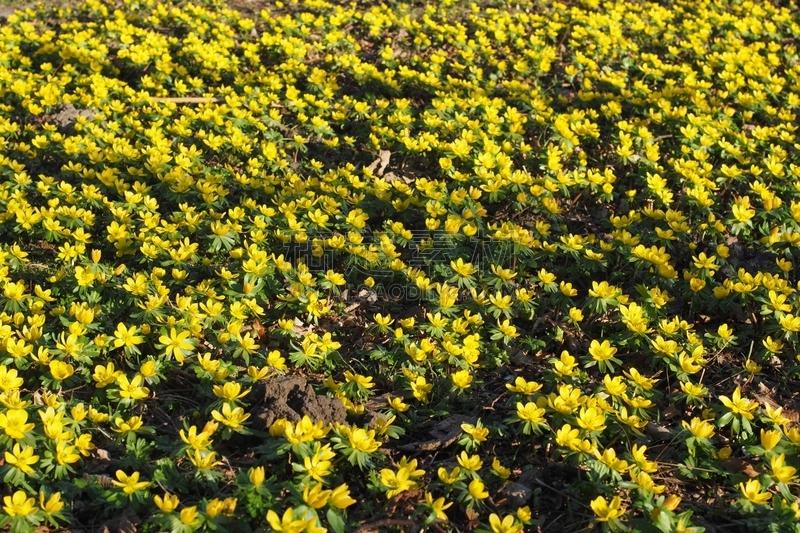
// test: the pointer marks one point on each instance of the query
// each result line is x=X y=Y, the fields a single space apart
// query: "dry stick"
x=674 y=465
x=556 y=519
x=564 y=494
x=375 y=526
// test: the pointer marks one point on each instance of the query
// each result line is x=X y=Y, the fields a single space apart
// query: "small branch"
x=374 y=527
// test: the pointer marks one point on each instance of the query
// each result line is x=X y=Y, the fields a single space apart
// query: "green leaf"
x=335 y=521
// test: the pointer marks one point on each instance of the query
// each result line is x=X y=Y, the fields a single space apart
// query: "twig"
x=564 y=494
x=375 y=526
x=686 y=466
x=556 y=519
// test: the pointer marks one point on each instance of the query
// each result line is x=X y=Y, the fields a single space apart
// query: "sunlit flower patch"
x=460 y=266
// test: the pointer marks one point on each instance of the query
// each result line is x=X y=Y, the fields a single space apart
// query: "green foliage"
x=504 y=236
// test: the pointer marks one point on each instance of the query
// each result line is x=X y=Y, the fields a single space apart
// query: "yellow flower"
x=256 y=476
x=566 y=288
x=198 y=441
x=605 y=511
x=610 y=459
x=462 y=379
x=438 y=506
x=132 y=390
x=478 y=433
x=14 y=423
x=315 y=497
x=506 y=525
x=189 y=515
x=363 y=440
x=752 y=491
x=638 y=453
x=499 y=469
x=97 y=417
x=592 y=419
x=148 y=369
x=52 y=505
x=530 y=412
x=448 y=478
x=565 y=365
x=463 y=269
x=775 y=414
x=770 y=438
x=780 y=472
x=9 y=379
x=167 y=504
x=340 y=497
x=125 y=337
x=477 y=489
x=225 y=507
x=397 y=482
x=130 y=484
x=470 y=462
x=359 y=380
x=522 y=386
x=738 y=405
x=601 y=351
x=318 y=466
x=203 y=460
x=420 y=388
x=126 y=426
x=699 y=428
x=567 y=436
x=230 y=391
x=524 y=514
x=176 y=344
x=22 y=458
x=287 y=523
x=105 y=375
x=19 y=504
x=232 y=418
x=646 y=482
x=741 y=209
x=78 y=412
x=61 y=370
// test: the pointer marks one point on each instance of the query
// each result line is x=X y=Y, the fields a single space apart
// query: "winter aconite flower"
x=699 y=428
x=506 y=525
x=14 y=422
x=781 y=472
x=133 y=389
x=340 y=497
x=129 y=484
x=287 y=523
x=605 y=511
x=578 y=222
x=22 y=458
x=477 y=489
x=752 y=492
x=738 y=405
x=177 y=344
x=19 y=504
x=232 y=418
x=167 y=503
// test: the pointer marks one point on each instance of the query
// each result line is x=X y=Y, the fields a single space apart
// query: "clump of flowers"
x=295 y=268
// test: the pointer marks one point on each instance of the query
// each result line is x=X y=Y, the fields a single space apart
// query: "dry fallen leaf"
x=379 y=165
x=740 y=465
x=259 y=329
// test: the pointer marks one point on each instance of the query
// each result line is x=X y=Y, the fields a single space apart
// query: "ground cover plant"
x=455 y=266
